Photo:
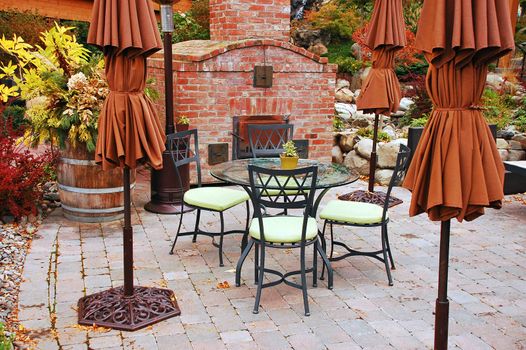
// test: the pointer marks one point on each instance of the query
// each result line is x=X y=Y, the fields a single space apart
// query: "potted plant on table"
x=289 y=157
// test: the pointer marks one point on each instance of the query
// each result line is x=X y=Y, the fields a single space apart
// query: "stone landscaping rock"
x=342 y=83
x=405 y=103
x=521 y=138
x=344 y=95
x=337 y=155
x=355 y=162
x=345 y=110
x=387 y=154
x=364 y=148
x=494 y=80
x=318 y=49
x=362 y=120
x=306 y=37
x=389 y=130
x=515 y=155
x=356 y=51
x=516 y=145
x=383 y=176
x=347 y=142
x=504 y=154
x=502 y=144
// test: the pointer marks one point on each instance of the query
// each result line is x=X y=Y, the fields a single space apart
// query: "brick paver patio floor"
x=487 y=286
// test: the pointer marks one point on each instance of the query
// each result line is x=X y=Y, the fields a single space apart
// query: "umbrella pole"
x=372 y=163
x=442 y=303
x=127 y=236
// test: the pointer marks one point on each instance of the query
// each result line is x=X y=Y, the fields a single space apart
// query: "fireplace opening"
x=240 y=137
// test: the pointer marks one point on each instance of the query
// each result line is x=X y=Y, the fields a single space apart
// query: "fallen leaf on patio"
x=162 y=284
x=223 y=285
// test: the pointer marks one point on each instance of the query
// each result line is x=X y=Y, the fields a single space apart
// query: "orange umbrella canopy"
x=456 y=170
x=381 y=90
x=129 y=130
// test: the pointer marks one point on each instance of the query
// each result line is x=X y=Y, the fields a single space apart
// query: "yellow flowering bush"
x=62 y=84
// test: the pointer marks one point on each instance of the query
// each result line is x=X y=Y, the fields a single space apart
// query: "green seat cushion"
x=283 y=229
x=352 y=212
x=214 y=198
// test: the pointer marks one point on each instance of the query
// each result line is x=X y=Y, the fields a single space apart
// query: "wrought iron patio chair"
x=184 y=149
x=266 y=140
x=283 y=231
x=348 y=213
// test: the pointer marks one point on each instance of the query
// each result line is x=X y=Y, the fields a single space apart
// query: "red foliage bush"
x=21 y=176
x=405 y=57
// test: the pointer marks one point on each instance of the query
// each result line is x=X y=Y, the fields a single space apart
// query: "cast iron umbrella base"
x=127 y=308
x=113 y=309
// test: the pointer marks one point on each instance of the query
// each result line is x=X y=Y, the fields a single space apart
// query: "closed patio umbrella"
x=456 y=171
x=380 y=92
x=129 y=134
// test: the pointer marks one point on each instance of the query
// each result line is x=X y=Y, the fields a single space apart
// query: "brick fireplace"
x=214 y=82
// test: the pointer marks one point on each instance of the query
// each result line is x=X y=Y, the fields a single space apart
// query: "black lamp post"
x=166 y=196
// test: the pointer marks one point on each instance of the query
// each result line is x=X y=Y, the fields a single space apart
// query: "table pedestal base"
x=112 y=309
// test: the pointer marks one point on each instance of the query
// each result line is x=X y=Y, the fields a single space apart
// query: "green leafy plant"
x=62 y=83
x=186 y=28
x=183 y=120
x=289 y=149
x=338 y=124
x=369 y=132
x=6 y=342
x=497 y=107
x=336 y=19
x=419 y=122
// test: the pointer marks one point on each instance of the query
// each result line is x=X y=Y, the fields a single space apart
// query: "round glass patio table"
x=329 y=174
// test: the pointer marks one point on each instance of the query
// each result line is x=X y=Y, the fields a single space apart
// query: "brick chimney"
x=232 y=20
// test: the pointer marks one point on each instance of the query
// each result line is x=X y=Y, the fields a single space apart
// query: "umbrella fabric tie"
x=470 y=108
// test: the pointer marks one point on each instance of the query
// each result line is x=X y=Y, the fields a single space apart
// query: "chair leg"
x=315 y=264
x=242 y=260
x=327 y=263
x=386 y=261
x=389 y=249
x=304 y=280
x=260 y=278
x=222 y=219
x=332 y=240
x=177 y=234
x=323 y=247
x=245 y=235
x=256 y=263
x=196 y=228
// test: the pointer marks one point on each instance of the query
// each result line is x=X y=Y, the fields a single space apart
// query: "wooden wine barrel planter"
x=87 y=193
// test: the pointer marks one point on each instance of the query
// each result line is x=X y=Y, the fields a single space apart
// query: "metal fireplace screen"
x=241 y=144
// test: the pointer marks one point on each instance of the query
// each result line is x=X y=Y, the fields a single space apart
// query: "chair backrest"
x=398 y=174
x=266 y=140
x=184 y=149
x=291 y=189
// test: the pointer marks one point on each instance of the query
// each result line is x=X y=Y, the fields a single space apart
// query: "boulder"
x=383 y=176
x=494 y=80
x=365 y=73
x=506 y=134
x=502 y=144
x=521 y=138
x=337 y=155
x=389 y=130
x=344 y=95
x=345 y=110
x=355 y=162
x=364 y=148
x=515 y=155
x=361 y=120
x=504 y=154
x=347 y=142
x=318 y=49
x=400 y=141
x=386 y=154
x=342 y=83
x=308 y=37
x=405 y=103
x=515 y=145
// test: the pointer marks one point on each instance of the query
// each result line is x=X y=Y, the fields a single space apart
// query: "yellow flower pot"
x=288 y=163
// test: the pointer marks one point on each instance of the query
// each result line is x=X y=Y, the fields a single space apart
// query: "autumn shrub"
x=422 y=106
x=338 y=21
x=498 y=107
x=21 y=175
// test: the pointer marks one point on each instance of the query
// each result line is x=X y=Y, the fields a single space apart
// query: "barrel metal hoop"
x=77 y=161
x=93 y=190
x=93 y=211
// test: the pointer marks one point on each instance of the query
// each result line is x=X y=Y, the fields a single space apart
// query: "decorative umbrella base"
x=376 y=197
x=112 y=309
